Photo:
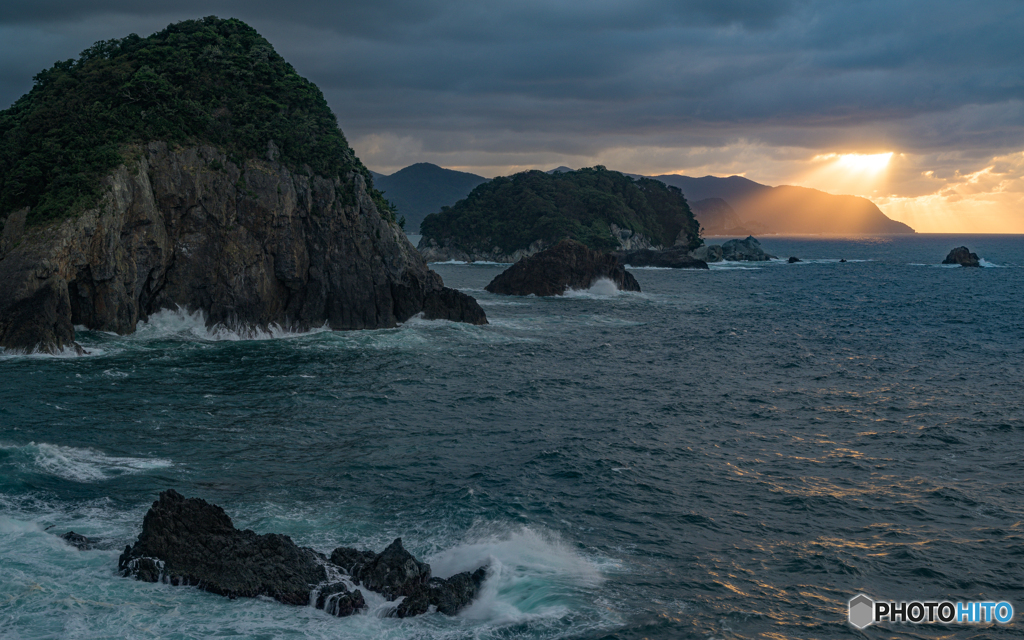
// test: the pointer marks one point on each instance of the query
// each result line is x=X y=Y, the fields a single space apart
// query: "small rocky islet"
x=963 y=257
x=188 y=541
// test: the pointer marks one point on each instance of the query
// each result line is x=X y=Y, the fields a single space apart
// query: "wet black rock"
x=793 y=259
x=188 y=541
x=337 y=600
x=77 y=540
x=192 y=542
x=393 y=572
x=963 y=257
x=449 y=304
x=396 y=573
x=675 y=258
x=448 y=595
x=567 y=265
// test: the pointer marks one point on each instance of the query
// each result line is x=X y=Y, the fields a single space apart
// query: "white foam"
x=83 y=464
x=600 y=288
x=990 y=265
x=181 y=323
x=530 y=575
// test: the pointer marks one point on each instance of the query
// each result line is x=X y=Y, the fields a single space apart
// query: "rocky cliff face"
x=250 y=245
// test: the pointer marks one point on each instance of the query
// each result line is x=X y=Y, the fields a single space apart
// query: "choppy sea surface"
x=732 y=453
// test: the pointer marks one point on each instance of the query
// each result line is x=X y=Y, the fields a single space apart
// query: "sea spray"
x=78 y=464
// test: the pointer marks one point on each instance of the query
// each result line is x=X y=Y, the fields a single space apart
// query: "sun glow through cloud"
x=873 y=163
x=859 y=174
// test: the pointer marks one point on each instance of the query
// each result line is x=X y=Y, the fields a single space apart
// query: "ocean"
x=732 y=453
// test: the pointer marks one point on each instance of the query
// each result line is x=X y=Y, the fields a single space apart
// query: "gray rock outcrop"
x=746 y=250
x=252 y=245
x=708 y=253
x=567 y=265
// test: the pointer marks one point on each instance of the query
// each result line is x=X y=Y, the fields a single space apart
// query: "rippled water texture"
x=730 y=454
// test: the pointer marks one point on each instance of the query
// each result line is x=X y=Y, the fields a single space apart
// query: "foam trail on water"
x=80 y=464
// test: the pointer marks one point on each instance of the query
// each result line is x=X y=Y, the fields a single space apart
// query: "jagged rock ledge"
x=567 y=265
x=252 y=245
x=188 y=541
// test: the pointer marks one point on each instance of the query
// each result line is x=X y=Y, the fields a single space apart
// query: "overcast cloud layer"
x=772 y=90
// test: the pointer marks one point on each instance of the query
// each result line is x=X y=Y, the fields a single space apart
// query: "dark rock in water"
x=395 y=572
x=793 y=259
x=676 y=258
x=567 y=265
x=963 y=257
x=337 y=600
x=351 y=560
x=449 y=304
x=448 y=595
x=190 y=541
x=747 y=250
x=843 y=260
x=77 y=540
x=251 y=245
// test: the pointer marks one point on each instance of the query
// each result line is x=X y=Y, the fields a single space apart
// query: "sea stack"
x=963 y=257
x=567 y=265
x=254 y=211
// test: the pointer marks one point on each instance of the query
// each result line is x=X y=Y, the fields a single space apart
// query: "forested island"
x=194 y=169
x=510 y=217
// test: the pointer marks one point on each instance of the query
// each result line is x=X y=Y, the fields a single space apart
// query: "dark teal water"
x=730 y=454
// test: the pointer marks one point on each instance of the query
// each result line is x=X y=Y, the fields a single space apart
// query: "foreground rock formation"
x=250 y=245
x=567 y=265
x=677 y=258
x=963 y=257
x=188 y=541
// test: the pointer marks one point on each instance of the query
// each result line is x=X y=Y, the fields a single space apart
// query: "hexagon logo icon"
x=861 y=611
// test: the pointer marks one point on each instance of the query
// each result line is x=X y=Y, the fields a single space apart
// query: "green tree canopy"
x=512 y=212
x=208 y=81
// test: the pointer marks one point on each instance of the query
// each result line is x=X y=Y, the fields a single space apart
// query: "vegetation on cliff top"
x=511 y=213
x=208 y=81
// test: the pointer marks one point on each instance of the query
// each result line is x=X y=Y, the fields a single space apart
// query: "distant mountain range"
x=784 y=209
x=424 y=188
x=724 y=206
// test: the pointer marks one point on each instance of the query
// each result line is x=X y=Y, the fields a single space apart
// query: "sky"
x=917 y=105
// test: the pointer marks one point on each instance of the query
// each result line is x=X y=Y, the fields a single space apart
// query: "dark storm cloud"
x=574 y=77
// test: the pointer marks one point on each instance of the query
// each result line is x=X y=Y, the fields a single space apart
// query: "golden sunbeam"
x=873 y=163
x=859 y=174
